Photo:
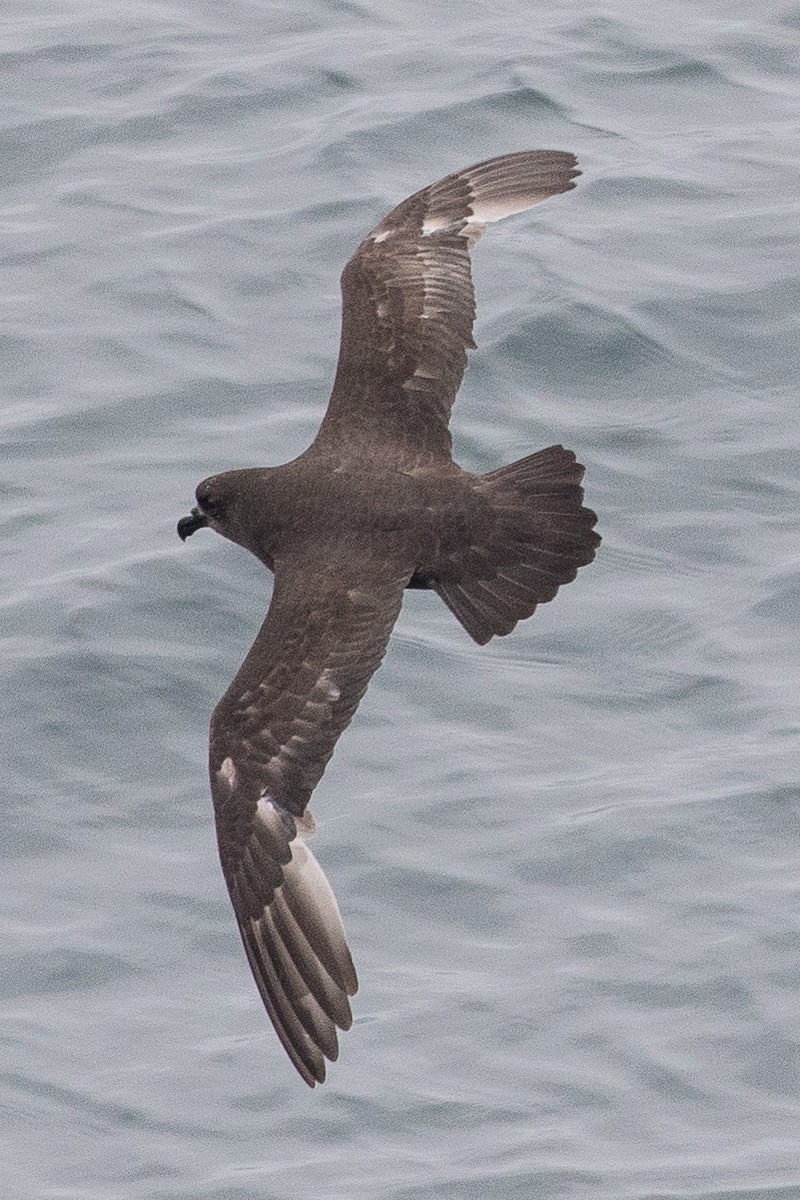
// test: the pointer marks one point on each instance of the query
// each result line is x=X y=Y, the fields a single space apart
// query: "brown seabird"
x=374 y=505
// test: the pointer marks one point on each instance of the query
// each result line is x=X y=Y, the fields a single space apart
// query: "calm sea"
x=568 y=862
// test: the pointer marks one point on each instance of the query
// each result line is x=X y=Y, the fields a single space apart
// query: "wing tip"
x=487 y=191
x=297 y=950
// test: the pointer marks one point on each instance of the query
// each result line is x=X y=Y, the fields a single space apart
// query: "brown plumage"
x=375 y=505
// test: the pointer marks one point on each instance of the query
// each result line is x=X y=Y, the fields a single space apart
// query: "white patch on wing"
x=268 y=813
x=497 y=210
x=227 y=772
x=305 y=879
x=434 y=224
x=483 y=211
x=278 y=828
x=304 y=865
x=306 y=825
x=329 y=689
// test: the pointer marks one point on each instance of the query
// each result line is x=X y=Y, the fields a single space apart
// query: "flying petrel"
x=374 y=505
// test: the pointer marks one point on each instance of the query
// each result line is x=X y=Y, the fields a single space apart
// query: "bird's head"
x=235 y=504
x=213 y=505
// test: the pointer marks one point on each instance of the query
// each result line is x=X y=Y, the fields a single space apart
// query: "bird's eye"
x=210 y=505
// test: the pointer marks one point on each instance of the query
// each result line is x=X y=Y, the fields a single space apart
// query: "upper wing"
x=408 y=305
x=272 y=735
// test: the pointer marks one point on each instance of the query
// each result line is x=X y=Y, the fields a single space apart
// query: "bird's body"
x=313 y=498
x=374 y=506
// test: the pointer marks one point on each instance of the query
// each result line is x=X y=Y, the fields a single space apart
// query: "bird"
x=374 y=506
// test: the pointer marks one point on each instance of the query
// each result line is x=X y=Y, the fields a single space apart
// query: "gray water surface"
x=568 y=861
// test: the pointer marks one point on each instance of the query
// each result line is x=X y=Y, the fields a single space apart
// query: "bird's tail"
x=542 y=534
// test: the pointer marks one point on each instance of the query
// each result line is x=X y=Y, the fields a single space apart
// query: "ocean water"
x=568 y=861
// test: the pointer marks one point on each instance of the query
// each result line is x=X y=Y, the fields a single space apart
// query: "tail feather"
x=542 y=535
x=553 y=463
